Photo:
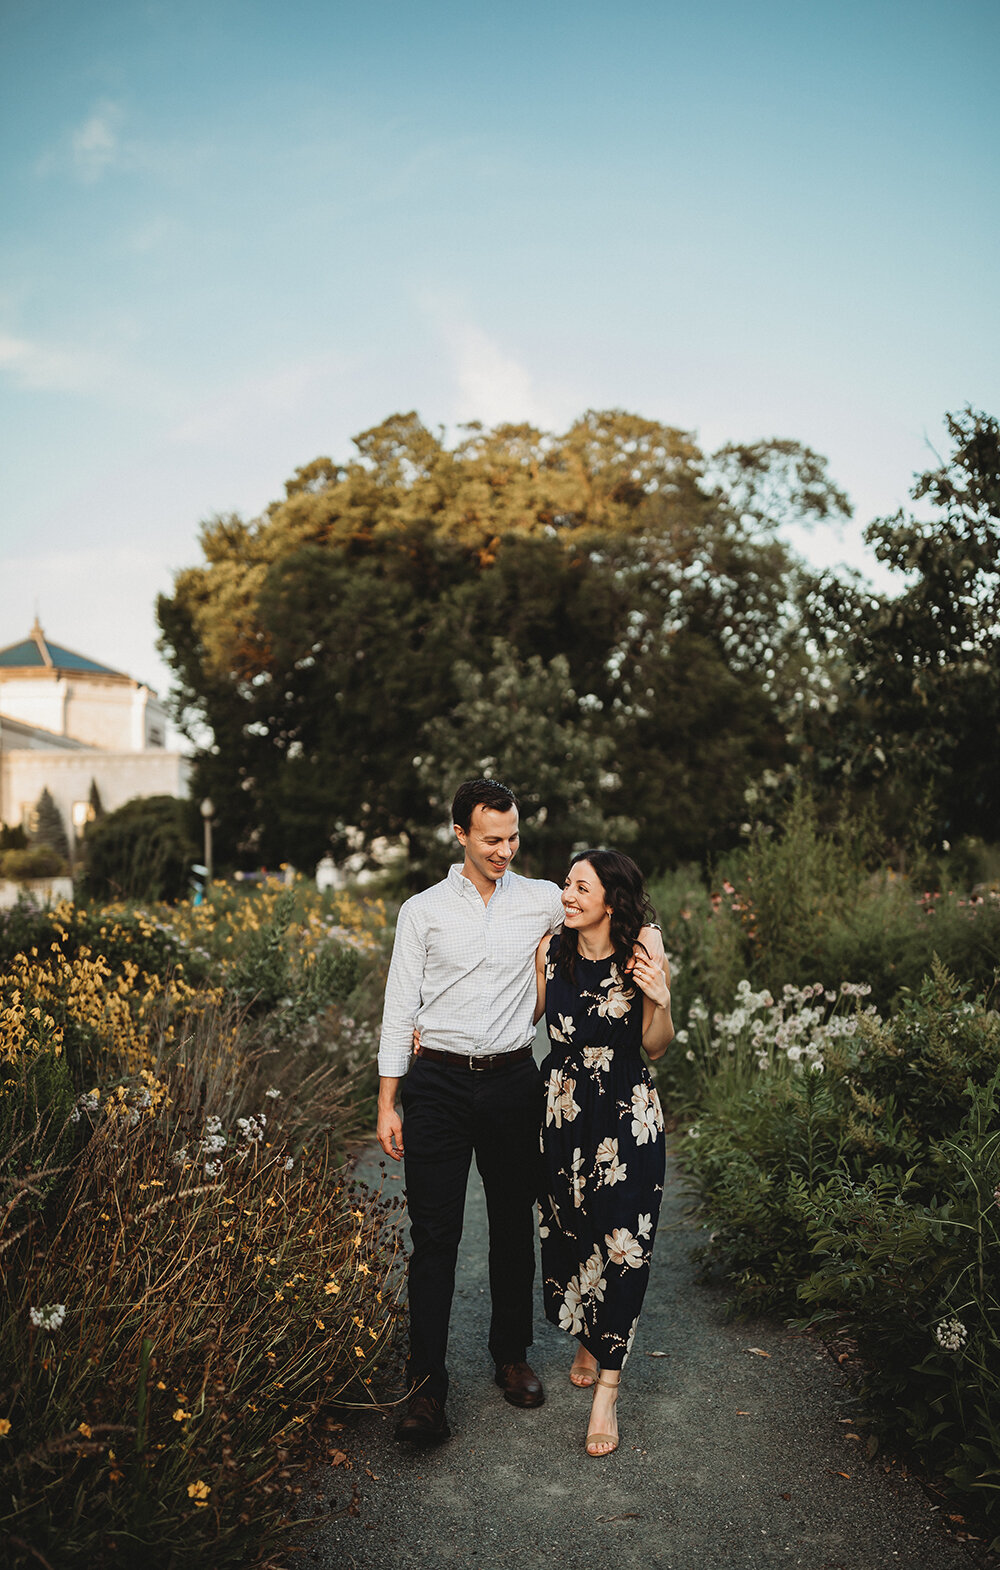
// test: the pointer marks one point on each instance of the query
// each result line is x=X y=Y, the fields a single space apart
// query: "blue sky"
x=236 y=234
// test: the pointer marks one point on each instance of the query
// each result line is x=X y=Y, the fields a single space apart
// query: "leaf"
x=337 y=1458
x=758 y=1351
x=657 y=1354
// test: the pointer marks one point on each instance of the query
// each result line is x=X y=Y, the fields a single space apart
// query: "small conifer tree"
x=47 y=825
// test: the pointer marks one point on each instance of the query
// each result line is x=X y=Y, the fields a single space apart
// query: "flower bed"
x=188 y=1279
x=849 y=1168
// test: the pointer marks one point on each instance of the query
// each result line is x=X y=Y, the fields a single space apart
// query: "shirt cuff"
x=393 y=1062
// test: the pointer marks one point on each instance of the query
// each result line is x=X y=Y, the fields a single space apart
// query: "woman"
x=603 y=985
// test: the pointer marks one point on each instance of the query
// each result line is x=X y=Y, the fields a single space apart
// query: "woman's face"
x=584 y=905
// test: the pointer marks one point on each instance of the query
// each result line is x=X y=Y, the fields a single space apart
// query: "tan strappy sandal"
x=611 y=1440
x=579 y=1376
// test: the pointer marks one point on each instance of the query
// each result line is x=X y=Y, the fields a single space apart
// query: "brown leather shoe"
x=425 y=1423
x=521 y=1386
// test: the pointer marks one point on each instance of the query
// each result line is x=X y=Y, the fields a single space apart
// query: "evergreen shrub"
x=142 y=851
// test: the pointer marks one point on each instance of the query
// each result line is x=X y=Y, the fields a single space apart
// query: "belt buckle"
x=478 y=1065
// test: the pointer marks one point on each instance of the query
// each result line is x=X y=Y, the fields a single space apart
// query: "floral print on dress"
x=559 y=1103
x=617 y=1000
x=564 y=1030
x=603 y=1149
x=598 y=1059
x=647 y=1117
x=615 y=1171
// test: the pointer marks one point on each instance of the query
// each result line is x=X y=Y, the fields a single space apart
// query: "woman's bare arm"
x=652 y=972
x=541 y=955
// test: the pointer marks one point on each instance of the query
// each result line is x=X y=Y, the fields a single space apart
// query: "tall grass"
x=188 y=1278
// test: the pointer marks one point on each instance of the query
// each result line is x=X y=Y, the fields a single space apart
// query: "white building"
x=66 y=723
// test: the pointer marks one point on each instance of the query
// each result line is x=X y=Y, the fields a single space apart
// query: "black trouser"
x=449 y=1115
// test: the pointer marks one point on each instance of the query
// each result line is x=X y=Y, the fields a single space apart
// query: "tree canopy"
x=607 y=614
x=915 y=710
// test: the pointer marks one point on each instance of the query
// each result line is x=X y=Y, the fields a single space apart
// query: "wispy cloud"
x=90 y=149
x=492 y=384
x=95 y=143
x=489 y=382
x=259 y=400
x=50 y=368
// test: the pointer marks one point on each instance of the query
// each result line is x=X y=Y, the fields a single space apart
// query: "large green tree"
x=914 y=710
x=325 y=648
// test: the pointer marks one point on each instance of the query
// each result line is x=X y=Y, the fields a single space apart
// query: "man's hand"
x=389 y=1128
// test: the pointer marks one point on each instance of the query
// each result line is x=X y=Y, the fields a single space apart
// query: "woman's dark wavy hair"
x=625 y=892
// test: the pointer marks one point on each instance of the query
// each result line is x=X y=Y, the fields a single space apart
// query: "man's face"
x=491 y=842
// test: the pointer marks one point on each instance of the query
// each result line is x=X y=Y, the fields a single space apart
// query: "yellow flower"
x=4 y=1426
x=84 y=1429
x=330 y=1288
x=199 y=1492
x=180 y=1415
x=359 y=1351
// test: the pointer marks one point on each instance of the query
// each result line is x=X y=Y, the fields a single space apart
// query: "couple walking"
x=477 y=960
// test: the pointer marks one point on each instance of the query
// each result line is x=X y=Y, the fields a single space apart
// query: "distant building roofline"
x=36 y=653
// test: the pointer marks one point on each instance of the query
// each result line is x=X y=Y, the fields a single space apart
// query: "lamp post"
x=207 y=814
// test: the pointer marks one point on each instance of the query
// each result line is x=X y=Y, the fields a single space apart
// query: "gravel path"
x=729 y=1460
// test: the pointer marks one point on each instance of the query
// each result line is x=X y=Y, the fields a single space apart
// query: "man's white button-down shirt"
x=463 y=971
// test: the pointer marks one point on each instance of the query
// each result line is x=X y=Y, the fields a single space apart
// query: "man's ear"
x=460 y=835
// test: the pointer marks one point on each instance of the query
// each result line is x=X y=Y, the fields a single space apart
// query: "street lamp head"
x=207 y=808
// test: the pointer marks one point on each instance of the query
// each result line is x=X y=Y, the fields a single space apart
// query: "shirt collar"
x=465 y=886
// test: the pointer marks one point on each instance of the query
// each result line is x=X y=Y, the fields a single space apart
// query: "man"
x=462 y=973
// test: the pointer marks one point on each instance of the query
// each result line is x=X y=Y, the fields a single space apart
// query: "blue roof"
x=32 y=651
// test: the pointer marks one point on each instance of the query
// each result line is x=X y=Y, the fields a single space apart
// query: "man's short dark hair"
x=479 y=793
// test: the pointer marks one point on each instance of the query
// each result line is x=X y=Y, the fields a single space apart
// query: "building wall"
x=101 y=711
x=120 y=776
x=36 y=702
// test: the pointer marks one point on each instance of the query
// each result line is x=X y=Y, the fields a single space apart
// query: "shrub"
x=849 y=1167
x=36 y=861
x=142 y=851
x=800 y=903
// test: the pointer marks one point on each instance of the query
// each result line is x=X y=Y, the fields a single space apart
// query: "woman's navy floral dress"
x=604 y=1157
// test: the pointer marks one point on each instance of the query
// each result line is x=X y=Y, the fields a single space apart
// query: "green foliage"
x=35 y=861
x=916 y=711
x=47 y=827
x=524 y=723
x=12 y=837
x=173 y=1178
x=352 y=630
x=861 y=1187
x=810 y=901
x=142 y=851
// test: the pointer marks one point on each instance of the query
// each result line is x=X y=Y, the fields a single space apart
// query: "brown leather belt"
x=479 y=1065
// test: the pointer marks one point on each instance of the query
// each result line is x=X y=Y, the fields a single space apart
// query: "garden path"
x=729 y=1460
